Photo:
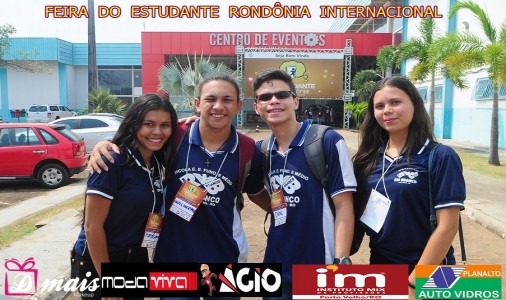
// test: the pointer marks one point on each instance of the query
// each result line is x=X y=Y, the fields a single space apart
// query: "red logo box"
x=350 y=281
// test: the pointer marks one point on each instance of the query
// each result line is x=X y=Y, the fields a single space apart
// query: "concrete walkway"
x=49 y=245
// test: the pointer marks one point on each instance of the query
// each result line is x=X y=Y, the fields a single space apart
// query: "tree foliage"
x=469 y=51
x=178 y=79
x=103 y=101
x=419 y=49
x=363 y=83
x=22 y=60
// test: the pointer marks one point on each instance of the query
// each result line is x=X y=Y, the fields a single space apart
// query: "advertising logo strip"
x=350 y=281
x=190 y=280
x=458 y=282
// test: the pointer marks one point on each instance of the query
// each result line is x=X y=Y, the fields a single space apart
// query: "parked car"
x=92 y=128
x=48 y=112
x=49 y=153
x=114 y=116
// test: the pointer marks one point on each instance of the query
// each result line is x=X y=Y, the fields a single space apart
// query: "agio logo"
x=458 y=282
x=349 y=281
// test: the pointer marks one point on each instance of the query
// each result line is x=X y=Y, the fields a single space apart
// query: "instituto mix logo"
x=350 y=281
x=458 y=282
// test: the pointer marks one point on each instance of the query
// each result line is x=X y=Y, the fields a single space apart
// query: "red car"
x=49 y=153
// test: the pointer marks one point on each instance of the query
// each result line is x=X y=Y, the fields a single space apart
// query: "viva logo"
x=458 y=282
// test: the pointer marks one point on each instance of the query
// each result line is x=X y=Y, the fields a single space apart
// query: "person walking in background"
x=121 y=204
x=309 y=114
x=391 y=166
x=317 y=225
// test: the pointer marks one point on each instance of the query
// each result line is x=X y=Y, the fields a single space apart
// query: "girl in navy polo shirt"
x=122 y=206
x=391 y=166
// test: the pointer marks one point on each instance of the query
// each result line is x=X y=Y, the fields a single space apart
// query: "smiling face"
x=393 y=110
x=278 y=109
x=218 y=104
x=154 y=131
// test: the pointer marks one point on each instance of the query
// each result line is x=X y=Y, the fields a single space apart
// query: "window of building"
x=483 y=90
x=423 y=92
x=438 y=93
x=121 y=80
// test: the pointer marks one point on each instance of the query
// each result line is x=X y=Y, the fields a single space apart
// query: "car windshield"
x=38 y=108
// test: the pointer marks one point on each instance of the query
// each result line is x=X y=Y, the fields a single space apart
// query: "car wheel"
x=52 y=176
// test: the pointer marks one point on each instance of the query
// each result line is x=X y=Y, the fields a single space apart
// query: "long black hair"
x=374 y=137
x=126 y=136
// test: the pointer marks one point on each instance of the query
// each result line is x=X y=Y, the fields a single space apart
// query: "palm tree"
x=418 y=48
x=363 y=83
x=104 y=102
x=473 y=52
x=388 y=60
x=179 y=80
x=92 y=52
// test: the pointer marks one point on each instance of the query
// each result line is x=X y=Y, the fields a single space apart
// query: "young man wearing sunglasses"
x=306 y=226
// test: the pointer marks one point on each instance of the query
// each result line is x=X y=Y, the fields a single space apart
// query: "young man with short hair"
x=310 y=228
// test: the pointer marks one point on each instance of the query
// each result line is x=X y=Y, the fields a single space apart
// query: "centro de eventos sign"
x=264 y=39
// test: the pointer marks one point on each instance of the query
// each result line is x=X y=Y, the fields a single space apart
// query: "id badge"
x=376 y=210
x=152 y=231
x=278 y=206
x=187 y=200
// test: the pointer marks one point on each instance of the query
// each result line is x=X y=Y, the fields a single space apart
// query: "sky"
x=29 y=19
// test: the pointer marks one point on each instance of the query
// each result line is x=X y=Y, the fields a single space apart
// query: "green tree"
x=358 y=111
x=182 y=80
x=388 y=60
x=21 y=60
x=418 y=48
x=363 y=83
x=104 y=102
x=470 y=51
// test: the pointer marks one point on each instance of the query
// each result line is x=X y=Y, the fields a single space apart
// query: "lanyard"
x=151 y=180
x=188 y=156
x=383 y=171
x=284 y=165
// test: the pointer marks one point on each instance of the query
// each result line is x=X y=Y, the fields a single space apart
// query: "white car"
x=47 y=112
x=92 y=128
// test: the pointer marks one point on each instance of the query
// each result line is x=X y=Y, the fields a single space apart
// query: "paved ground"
x=49 y=245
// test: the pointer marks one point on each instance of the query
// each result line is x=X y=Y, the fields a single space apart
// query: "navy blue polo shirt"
x=407 y=228
x=308 y=235
x=130 y=192
x=215 y=233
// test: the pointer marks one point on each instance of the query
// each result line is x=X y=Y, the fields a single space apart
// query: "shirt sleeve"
x=106 y=183
x=340 y=168
x=448 y=179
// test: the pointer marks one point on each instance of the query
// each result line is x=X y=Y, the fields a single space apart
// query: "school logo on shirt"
x=458 y=282
x=350 y=281
x=407 y=176
x=290 y=181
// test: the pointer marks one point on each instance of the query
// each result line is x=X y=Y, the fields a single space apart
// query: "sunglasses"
x=279 y=95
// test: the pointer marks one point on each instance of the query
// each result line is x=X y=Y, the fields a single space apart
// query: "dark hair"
x=219 y=76
x=374 y=136
x=126 y=136
x=273 y=74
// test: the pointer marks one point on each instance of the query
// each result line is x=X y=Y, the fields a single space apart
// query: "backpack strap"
x=265 y=160
x=246 y=154
x=315 y=154
x=433 y=219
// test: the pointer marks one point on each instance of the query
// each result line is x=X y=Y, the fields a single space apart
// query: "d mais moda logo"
x=458 y=282
x=20 y=278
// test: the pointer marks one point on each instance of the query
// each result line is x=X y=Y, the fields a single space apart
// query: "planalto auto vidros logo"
x=458 y=282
